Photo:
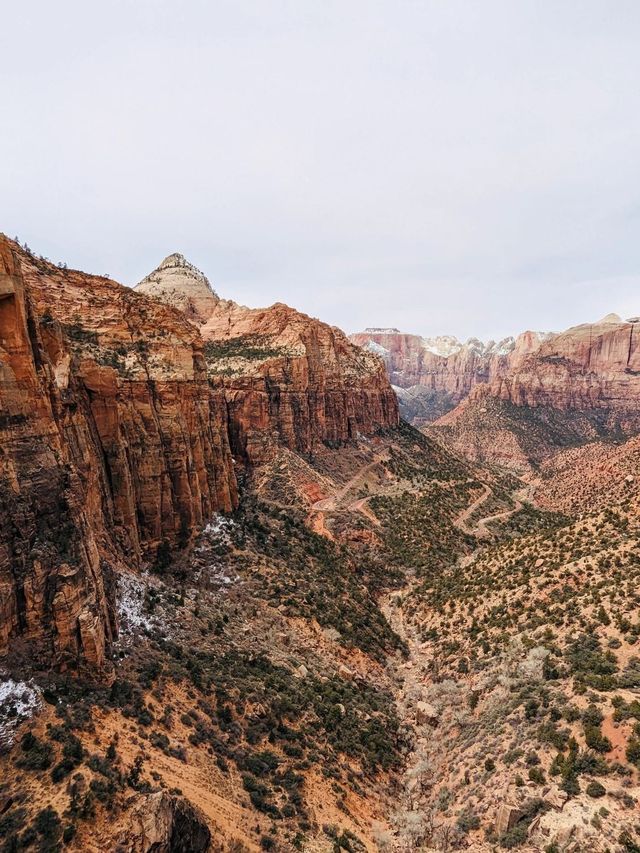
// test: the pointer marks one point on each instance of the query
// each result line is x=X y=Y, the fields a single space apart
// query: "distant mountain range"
x=595 y=362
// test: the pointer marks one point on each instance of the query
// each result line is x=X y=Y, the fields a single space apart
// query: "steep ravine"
x=415 y=821
x=123 y=424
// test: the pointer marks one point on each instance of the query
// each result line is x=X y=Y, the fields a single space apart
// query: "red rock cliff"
x=118 y=414
x=593 y=366
x=111 y=440
x=577 y=386
x=437 y=373
x=286 y=377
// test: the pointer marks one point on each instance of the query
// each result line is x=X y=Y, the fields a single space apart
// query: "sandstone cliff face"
x=51 y=584
x=118 y=417
x=111 y=441
x=290 y=379
x=592 y=366
x=293 y=378
x=435 y=374
x=577 y=386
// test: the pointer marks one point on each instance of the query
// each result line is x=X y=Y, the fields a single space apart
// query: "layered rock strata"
x=118 y=418
x=182 y=285
x=432 y=375
x=579 y=385
x=591 y=366
x=288 y=378
x=112 y=441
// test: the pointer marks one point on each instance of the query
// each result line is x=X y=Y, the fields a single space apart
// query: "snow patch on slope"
x=207 y=563
x=443 y=345
x=131 y=597
x=19 y=700
x=448 y=345
x=376 y=348
x=219 y=528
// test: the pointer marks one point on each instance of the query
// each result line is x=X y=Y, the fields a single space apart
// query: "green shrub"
x=36 y=754
x=596 y=740
x=12 y=821
x=590 y=664
x=633 y=750
x=628 y=844
x=468 y=820
x=592 y=716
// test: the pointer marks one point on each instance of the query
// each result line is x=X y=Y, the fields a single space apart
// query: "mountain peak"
x=174 y=260
x=610 y=318
x=179 y=283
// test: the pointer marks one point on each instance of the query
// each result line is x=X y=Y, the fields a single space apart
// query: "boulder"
x=164 y=823
x=427 y=714
x=507 y=817
x=556 y=798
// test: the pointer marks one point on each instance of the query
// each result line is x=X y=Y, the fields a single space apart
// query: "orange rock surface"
x=111 y=441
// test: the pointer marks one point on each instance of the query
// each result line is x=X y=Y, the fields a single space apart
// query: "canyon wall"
x=52 y=587
x=287 y=378
x=591 y=366
x=579 y=385
x=111 y=441
x=119 y=415
x=432 y=375
x=440 y=364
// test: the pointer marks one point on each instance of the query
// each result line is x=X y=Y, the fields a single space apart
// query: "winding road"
x=330 y=504
x=481 y=530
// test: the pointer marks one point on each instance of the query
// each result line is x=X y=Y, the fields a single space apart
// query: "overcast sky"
x=444 y=166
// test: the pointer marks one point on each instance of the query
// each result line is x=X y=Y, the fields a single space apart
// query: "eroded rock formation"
x=182 y=285
x=591 y=366
x=111 y=441
x=287 y=377
x=578 y=385
x=432 y=375
x=164 y=823
x=118 y=418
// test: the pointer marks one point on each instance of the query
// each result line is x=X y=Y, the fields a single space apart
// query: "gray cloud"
x=442 y=166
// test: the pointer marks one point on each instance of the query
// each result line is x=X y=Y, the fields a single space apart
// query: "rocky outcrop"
x=435 y=374
x=164 y=823
x=427 y=714
x=290 y=379
x=507 y=817
x=111 y=442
